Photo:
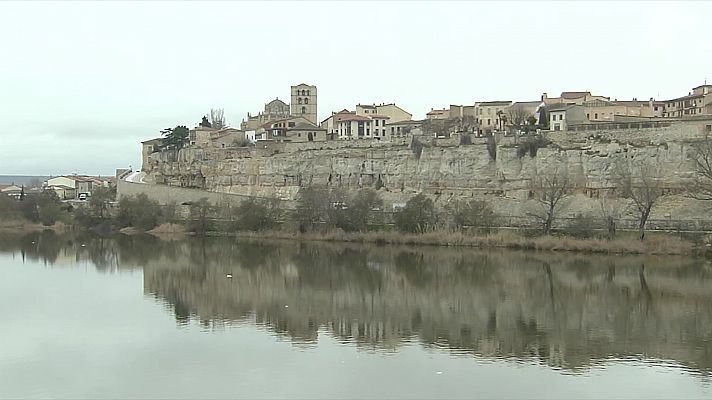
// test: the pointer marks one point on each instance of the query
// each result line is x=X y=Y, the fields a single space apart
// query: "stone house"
x=563 y=115
x=489 y=113
x=403 y=129
x=605 y=111
x=442 y=113
x=295 y=129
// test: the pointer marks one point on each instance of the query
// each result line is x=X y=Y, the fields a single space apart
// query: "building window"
x=368 y=131
x=376 y=122
x=308 y=94
x=299 y=100
x=595 y=115
x=489 y=121
x=304 y=110
x=306 y=101
x=656 y=108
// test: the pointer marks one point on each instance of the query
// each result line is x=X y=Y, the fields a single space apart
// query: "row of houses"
x=67 y=187
x=297 y=122
x=571 y=108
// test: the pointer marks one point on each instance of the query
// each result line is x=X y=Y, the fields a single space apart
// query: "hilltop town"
x=298 y=121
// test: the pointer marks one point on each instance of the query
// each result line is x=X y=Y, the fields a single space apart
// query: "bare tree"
x=639 y=182
x=217 y=118
x=549 y=190
x=518 y=115
x=702 y=157
x=610 y=211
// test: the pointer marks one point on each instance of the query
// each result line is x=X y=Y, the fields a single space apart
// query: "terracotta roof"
x=342 y=112
x=573 y=95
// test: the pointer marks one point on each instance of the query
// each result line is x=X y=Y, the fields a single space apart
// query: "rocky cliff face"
x=501 y=171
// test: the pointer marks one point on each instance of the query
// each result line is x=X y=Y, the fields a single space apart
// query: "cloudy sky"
x=81 y=84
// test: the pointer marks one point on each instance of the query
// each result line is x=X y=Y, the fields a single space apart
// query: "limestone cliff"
x=443 y=168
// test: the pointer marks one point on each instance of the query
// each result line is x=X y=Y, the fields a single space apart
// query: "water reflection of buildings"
x=568 y=312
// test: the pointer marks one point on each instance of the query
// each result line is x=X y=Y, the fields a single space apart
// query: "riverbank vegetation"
x=336 y=215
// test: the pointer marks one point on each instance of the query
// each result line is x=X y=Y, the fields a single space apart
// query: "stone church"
x=303 y=104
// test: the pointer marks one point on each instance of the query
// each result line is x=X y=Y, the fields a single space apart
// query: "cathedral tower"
x=304 y=102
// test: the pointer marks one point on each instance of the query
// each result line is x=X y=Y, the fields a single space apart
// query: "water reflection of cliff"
x=567 y=311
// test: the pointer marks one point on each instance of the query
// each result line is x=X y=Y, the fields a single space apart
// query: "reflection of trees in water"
x=567 y=311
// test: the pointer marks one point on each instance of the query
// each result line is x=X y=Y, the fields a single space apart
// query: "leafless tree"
x=217 y=118
x=638 y=180
x=549 y=190
x=518 y=115
x=610 y=211
x=702 y=157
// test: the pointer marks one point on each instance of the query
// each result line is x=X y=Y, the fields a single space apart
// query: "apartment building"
x=697 y=102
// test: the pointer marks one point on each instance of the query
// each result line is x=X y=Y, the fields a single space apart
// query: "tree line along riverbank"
x=334 y=215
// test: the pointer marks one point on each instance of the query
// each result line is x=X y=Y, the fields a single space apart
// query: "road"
x=135 y=177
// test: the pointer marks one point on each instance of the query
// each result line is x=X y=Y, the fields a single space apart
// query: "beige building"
x=304 y=102
x=489 y=114
x=200 y=136
x=697 y=102
x=570 y=98
x=606 y=111
x=442 y=113
x=295 y=129
x=563 y=115
x=392 y=111
x=356 y=126
x=462 y=111
x=403 y=129
x=148 y=147
x=519 y=112
x=306 y=132
x=80 y=183
x=227 y=137
x=275 y=109
x=331 y=123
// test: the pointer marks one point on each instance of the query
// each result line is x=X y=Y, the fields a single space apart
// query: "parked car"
x=83 y=196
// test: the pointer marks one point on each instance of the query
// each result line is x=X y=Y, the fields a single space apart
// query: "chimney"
x=543 y=96
x=635 y=99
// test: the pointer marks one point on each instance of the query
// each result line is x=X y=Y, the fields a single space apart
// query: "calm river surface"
x=139 y=317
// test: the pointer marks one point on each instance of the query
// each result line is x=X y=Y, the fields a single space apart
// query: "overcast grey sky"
x=81 y=84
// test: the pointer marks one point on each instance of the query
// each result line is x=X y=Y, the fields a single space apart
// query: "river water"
x=141 y=317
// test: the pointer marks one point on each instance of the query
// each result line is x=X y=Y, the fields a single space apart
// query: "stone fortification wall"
x=441 y=168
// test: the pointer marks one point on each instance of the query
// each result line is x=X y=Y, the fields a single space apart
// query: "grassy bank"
x=657 y=244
